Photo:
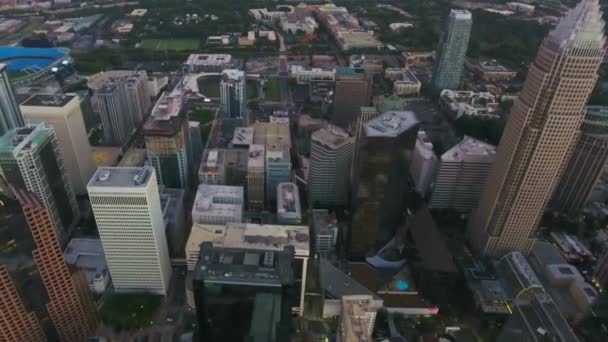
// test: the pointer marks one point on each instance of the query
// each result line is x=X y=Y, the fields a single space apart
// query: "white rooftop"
x=124 y=177
x=332 y=136
x=390 y=124
x=233 y=74
x=243 y=136
x=471 y=150
x=460 y=14
x=218 y=200
x=256 y=156
x=209 y=59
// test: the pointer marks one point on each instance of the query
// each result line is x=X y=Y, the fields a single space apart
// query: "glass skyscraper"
x=10 y=116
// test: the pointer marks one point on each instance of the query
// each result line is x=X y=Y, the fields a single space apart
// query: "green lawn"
x=170 y=44
x=129 y=311
x=272 y=90
x=209 y=86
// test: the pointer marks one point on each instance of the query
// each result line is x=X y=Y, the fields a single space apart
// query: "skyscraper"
x=452 y=50
x=116 y=121
x=127 y=209
x=353 y=90
x=16 y=323
x=540 y=133
x=278 y=169
x=586 y=163
x=64 y=113
x=380 y=179
x=330 y=161
x=31 y=158
x=167 y=138
x=10 y=116
x=255 y=177
x=69 y=305
x=232 y=89
x=137 y=95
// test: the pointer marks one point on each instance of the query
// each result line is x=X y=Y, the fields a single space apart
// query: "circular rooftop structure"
x=31 y=60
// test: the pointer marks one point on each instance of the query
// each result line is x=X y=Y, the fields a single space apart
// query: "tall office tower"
x=196 y=142
x=462 y=174
x=232 y=91
x=540 y=133
x=289 y=210
x=352 y=91
x=365 y=114
x=31 y=158
x=452 y=50
x=255 y=177
x=116 y=122
x=64 y=114
x=424 y=164
x=10 y=116
x=126 y=205
x=137 y=95
x=168 y=140
x=357 y=318
x=16 y=323
x=307 y=125
x=69 y=305
x=586 y=163
x=379 y=182
x=330 y=161
x=278 y=169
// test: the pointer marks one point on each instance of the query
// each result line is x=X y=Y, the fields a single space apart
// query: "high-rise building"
x=462 y=174
x=289 y=210
x=10 y=116
x=255 y=177
x=353 y=90
x=137 y=96
x=127 y=209
x=379 y=183
x=424 y=164
x=218 y=204
x=357 y=318
x=31 y=158
x=64 y=113
x=452 y=51
x=168 y=140
x=586 y=163
x=116 y=121
x=69 y=305
x=540 y=133
x=16 y=323
x=232 y=91
x=330 y=161
x=278 y=169
x=196 y=142
x=325 y=230
x=307 y=125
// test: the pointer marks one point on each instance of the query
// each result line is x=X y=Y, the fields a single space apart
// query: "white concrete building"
x=462 y=175
x=232 y=91
x=64 y=113
x=216 y=62
x=127 y=209
x=212 y=169
x=469 y=103
x=357 y=318
x=424 y=164
x=218 y=204
x=303 y=75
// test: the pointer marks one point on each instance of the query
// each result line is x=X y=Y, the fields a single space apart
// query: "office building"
x=64 y=113
x=481 y=105
x=489 y=70
x=69 y=305
x=196 y=141
x=243 y=294
x=462 y=174
x=353 y=90
x=278 y=169
x=330 y=161
x=424 y=164
x=208 y=62
x=586 y=163
x=137 y=96
x=232 y=90
x=405 y=82
x=539 y=134
x=365 y=114
x=325 y=230
x=379 y=185
x=212 y=169
x=357 y=318
x=307 y=125
x=168 y=140
x=31 y=158
x=255 y=177
x=86 y=255
x=174 y=216
x=116 y=122
x=289 y=210
x=256 y=236
x=16 y=322
x=10 y=116
x=127 y=209
x=452 y=51
x=218 y=204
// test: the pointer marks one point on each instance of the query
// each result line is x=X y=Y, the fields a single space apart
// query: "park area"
x=129 y=311
x=272 y=90
x=170 y=44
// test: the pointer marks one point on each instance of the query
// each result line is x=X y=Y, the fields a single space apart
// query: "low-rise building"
x=325 y=230
x=212 y=170
x=405 y=82
x=469 y=103
x=289 y=210
x=303 y=75
x=218 y=204
x=520 y=7
x=300 y=20
x=86 y=255
x=489 y=70
x=208 y=62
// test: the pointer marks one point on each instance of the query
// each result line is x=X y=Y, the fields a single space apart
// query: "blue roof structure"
x=24 y=59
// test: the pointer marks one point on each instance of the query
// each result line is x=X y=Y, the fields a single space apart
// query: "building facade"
x=330 y=161
x=10 y=116
x=278 y=170
x=586 y=163
x=255 y=177
x=424 y=164
x=357 y=318
x=31 y=158
x=116 y=121
x=232 y=91
x=353 y=90
x=540 y=133
x=64 y=113
x=138 y=97
x=127 y=209
x=289 y=210
x=452 y=51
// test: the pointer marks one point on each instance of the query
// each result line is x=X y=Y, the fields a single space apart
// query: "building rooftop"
x=256 y=156
x=167 y=115
x=288 y=200
x=243 y=136
x=338 y=284
x=470 y=150
x=354 y=309
x=353 y=72
x=218 y=200
x=24 y=138
x=390 y=124
x=127 y=177
x=270 y=134
x=209 y=59
x=49 y=100
x=87 y=254
x=171 y=201
x=333 y=137
x=323 y=222
x=460 y=14
x=97 y=81
x=233 y=75
x=133 y=157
